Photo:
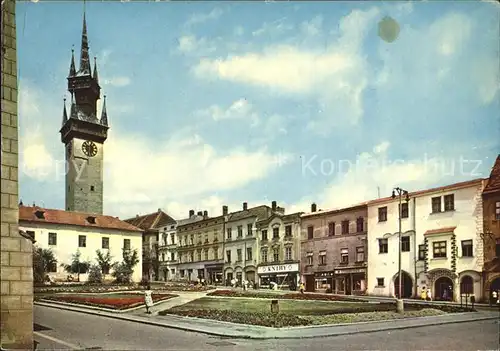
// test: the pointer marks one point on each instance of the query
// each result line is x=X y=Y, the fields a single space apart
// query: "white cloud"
x=199 y=18
x=273 y=29
x=117 y=81
x=239 y=31
x=239 y=109
x=191 y=44
x=312 y=27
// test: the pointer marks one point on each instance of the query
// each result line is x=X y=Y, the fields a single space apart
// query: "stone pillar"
x=16 y=251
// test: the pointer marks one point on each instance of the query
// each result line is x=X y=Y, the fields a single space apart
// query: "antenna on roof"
x=378 y=192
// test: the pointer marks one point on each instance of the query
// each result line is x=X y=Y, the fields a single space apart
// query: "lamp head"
x=407 y=196
x=393 y=194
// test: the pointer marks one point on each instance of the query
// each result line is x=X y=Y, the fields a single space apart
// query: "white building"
x=441 y=244
x=66 y=232
x=168 y=252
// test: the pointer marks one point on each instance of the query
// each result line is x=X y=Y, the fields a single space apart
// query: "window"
x=172 y=256
x=382 y=214
x=163 y=257
x=126 y=244
x=288 y=253
x=436 y=204
x=310 y=232
x=31 y=234
x=229 y=233
x=421 y=252
x=288 y=231
x=276 y=255
x=345 y=227
x=206 y=255
x=360 y=225
x=249 y=229
x=331 y=229
x=439 y=249
x=449 y=202
x=249 y=254
x=309 y=258
x=360 y=254
x=92 y=188
x=216 y=254
x=191 y=239
x=467 y=285
x=497 y=210
x=466 y=248
x=238 y=255
x=276 y=233
x=383 y=246
x=82 y=241
x=105 y=243
x=264 y=255
x=191 y=256
x=228 y=256
x=240 y=231
x=380 y=282
x=322 y=258
x=403 y=208
x=199 y=255
x=53 y=239
x=264 y=235
x=172 y=238
x=344 y=256
x=181 y=272
x=405 y=244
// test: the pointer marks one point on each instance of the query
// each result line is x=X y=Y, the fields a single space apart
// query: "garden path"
x=183 y=298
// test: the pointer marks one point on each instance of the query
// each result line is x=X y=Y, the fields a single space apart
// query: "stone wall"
x=16 y=251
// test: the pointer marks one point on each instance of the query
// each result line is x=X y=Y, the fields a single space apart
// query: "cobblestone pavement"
x=72 y=330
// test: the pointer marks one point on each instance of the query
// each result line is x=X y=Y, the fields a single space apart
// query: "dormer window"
x=91 y=219
x=40 y=214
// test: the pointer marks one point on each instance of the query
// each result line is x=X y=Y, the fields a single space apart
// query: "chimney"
x=245 y=206
x=191 y=213
x=273 y=205
x=136 y=216
x=200 y=213
x=205 y=214
x=159 y=210
x=313 y=207
x=225 y=210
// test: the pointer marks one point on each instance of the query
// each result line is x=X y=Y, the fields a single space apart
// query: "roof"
x=151 y=221
x=493 y=184
x=335 y=210
x=440 y=230
x=455 y=186
x=52 y=216
x=261 y=212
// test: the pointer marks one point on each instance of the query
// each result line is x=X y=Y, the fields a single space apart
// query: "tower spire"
x=104 y=113
x=84 y=52
x=72 y=69
x=95 y=76
x=65 y=114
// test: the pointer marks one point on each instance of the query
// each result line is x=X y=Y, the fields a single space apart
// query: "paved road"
x=72 y=330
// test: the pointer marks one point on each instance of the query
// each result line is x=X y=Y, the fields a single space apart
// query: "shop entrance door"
x=310 y=281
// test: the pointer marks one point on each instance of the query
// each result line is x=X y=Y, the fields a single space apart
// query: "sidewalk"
x=232 y=330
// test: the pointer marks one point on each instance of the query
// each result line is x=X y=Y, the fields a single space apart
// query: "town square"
x=250 y=176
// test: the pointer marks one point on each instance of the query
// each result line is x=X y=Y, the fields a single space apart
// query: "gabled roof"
x=493 y=184
x=261 y=212
x=35 y=214
x=151 y=221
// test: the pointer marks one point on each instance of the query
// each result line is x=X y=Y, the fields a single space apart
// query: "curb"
x=268 y=332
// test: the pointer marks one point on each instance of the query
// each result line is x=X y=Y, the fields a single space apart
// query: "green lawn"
x=291 y=307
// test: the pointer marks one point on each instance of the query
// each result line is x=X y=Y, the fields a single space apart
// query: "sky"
x=219 y=103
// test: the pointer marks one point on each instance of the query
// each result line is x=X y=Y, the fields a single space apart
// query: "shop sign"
x=349 y=271
x=294 y=267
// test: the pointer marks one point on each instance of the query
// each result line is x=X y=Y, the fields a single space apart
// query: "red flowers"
x=288 y=296
x=112 y=301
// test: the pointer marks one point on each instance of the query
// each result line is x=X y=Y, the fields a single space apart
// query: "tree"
x=95 y=274
x=104 y=261
x=43 y=262
x=77 y=265
x=122 y=271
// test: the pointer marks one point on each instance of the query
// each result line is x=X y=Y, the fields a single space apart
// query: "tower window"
x=91 y=188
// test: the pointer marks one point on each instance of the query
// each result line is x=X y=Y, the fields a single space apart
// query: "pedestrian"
x=423 y=294
x=445 y=294
x=148 y=298
x=429 y=294
x=301 y=287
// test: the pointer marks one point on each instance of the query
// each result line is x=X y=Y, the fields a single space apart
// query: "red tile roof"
x=151 y=221
x=29 y=214
x=494 y=180
x=440 y=230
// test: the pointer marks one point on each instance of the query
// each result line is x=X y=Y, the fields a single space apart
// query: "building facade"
x=441 y=242
x=168 y=252
x=241 y=243
x=66 y=233
x=200 y=247
x=16 y=249
x=153 y=226
x=333 y=250
x=83 y=134
x=279 y=249
x=491 y=232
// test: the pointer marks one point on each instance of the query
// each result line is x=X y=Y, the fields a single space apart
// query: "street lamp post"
x=399 y=192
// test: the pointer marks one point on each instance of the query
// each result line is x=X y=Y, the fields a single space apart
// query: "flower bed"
x=288 y=296
x=115 y=302
x=266 y=319
x=186 y=287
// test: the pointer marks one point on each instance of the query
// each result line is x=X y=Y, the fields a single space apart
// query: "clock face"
x=89 y=148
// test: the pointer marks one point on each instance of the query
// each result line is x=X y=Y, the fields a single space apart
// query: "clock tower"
x=83 y=135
